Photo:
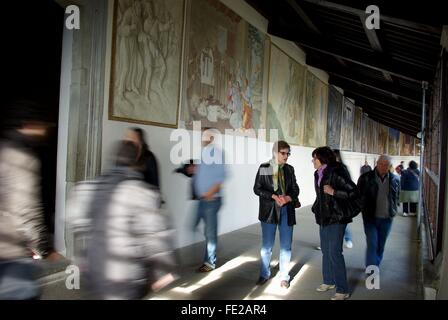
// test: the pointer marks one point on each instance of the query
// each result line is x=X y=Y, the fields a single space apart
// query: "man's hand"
x=208 y=196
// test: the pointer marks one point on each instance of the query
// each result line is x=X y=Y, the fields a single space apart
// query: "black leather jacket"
x=269 y=212
x=368 y=188
x=334 y=209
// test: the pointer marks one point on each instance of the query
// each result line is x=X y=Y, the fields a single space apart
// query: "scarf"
x=278 y=176
x=320 y=173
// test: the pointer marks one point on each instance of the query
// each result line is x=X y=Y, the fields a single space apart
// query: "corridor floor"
x=238 y=266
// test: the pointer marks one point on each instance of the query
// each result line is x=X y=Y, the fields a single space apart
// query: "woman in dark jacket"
x=409 y=189
x=334 y=189
x=278 y=192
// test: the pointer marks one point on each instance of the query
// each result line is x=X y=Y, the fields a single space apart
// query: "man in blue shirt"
x=208 y=180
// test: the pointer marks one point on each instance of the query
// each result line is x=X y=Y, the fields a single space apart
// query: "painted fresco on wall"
x=146 y=61
x=375 y=136
x=383 y=139
x=347 y=124
x=335 y=102
x=224 y=69
x=394 y=142
x=365 y=137
x=286 y=97
x=417 y=147
x=357 y=130
x=406 y=145
x=316 y=105
x=372 y=133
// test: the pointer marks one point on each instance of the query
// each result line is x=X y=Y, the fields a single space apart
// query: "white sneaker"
x=340 y=296
x=405 y=214
x=318 y=248
x=348 y=244
x=325 y=287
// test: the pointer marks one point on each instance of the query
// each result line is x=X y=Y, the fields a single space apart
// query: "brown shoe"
x=205 y=268
x=284 y=284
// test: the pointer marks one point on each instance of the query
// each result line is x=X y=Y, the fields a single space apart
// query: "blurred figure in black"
x=365 y=168
x=146 y=162
x=129 y=246
x=22 y=228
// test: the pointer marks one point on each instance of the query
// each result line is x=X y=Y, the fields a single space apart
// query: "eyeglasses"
x=285 y=153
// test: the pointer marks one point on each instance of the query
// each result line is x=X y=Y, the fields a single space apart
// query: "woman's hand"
x=278 y=200
x=328 y=190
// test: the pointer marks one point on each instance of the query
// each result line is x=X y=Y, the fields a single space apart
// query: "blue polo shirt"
x=210 y=171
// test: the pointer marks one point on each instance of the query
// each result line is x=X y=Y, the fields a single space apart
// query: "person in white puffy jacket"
x=129 y=242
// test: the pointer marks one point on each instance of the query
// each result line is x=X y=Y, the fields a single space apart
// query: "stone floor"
x=238 y=267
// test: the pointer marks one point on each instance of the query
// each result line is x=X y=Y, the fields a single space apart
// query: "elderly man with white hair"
x=380 y=192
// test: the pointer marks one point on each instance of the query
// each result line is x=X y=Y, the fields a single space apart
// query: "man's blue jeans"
x=268 y=235
x=348 y=234
x=208 y=210
x=376 y=232
x=333 y=263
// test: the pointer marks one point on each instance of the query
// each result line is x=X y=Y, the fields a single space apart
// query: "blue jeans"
x=268 y=236
x=348 y=234
x=333 y=263
x=376 y=235
x=208 y=210
x=18 y=280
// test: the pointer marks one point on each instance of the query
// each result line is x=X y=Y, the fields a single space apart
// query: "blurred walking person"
x=22 y=228
x=129 y=246
x=209 y=176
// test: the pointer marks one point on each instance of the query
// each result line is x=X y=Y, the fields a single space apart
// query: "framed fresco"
x=365 y=136
x=417 y=147
x=375 y=136
x=316 y=104
x=224 y=68
x=286 y=94
x=406 y=145
x=357 y=130
x=335 y=101
x=347 y=124
x=372 y=133
x=146 y=61
x=383 y=139
x=394 y=142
